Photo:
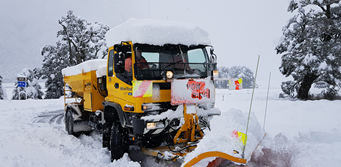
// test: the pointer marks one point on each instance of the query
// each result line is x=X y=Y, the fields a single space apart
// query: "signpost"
x=22 y=83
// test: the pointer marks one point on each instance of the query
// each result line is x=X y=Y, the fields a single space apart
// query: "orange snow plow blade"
x=220 y=158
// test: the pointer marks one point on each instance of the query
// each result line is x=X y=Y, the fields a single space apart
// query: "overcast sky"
x=239 y=30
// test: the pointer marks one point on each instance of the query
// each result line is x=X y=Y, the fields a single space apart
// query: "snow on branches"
x=80 y=41
x=311 y=46
x=2 y=92
x=32 y=90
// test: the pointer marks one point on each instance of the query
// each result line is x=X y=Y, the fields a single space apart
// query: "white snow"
x=86 y=66
x=157 y=32
x=220 y=137
x=299 y=133
x=182 y=91
x=102 y=71
x=178 y=113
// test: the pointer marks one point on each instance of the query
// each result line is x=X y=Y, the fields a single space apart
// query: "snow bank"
x=87 y=66
x=125 y=161
x=299 y=133
x=157 y=32
x=221 y=138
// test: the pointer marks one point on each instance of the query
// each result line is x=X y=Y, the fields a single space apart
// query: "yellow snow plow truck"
x=155 y=90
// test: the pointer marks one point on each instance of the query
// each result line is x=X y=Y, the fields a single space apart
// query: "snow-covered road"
x=299 y=133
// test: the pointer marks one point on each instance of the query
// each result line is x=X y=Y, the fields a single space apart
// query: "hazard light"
x=215 y=74
x=128 y=108
x=146 y=107
x=151 y=107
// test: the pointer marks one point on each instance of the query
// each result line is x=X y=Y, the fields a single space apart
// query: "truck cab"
x=162 y=65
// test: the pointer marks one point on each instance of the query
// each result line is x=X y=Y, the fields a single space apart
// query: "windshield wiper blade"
x=170 y=64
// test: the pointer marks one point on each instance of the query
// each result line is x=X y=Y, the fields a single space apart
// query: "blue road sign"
x=22 y=84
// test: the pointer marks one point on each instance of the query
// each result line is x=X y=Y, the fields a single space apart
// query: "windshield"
x=183 y=61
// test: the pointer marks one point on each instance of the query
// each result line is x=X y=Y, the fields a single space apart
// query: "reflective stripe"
x=142 y=89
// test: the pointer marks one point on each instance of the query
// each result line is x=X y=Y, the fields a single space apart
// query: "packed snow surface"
x=86 y=66
x=157 y=32
x=299 y=133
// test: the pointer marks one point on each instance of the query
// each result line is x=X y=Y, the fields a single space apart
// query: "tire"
x=69 y=122
x=118 y=141
x=106 y=140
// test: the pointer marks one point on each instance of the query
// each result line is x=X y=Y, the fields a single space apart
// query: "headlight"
x=155 y=125
x=169 y=74
x=151 y=125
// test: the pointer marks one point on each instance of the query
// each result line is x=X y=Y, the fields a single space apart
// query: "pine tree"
x=80 y=41
x=2 y=91
x=311 y=46
x=32 y=91
x=56 y=58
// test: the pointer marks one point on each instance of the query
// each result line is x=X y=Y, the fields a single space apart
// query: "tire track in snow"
x=56 y=117
x=50 y=117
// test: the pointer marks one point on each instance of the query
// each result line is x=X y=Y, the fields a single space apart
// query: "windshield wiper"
x=170 y=64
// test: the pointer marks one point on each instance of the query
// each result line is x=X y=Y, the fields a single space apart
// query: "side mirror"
x=213 y=56
x=119 y=59
x=212 y=50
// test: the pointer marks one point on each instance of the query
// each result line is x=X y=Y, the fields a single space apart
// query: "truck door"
x=119 y=80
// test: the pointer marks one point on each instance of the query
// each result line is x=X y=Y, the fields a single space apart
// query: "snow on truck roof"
x=157 y=32
x=144 y=31
x=87 y=66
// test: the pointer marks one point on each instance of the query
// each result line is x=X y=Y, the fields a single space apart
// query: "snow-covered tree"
x=311 y=45
x=235 y=72
x=32 y=91
x=85 y=40
x=55 y=59
x=80 y=41
x=245 y=73
x=2 y=91
x=289 y=88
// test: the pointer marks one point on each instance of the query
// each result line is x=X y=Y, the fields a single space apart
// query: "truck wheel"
x=118 y=141
x=69 y=122
x=106 y=139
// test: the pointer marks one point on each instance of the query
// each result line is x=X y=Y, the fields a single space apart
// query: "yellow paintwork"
x=214 y=154
x=124 y=94
x=85 y=85
x=188 y=128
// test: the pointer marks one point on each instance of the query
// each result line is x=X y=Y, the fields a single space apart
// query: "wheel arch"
x=113 y=111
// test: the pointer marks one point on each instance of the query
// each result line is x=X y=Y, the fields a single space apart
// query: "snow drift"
x=221 y=137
